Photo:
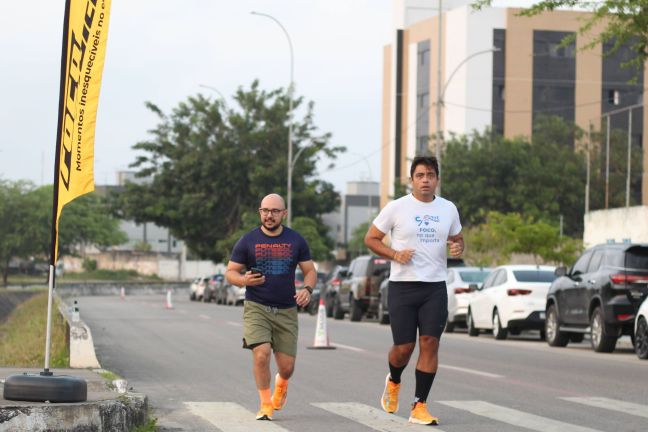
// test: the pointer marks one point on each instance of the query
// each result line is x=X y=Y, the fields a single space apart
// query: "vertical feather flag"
x=85 y=32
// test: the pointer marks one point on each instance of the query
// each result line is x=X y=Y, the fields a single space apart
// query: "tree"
x=543 y=179
x=625 y=23
x=208 y=164
x=25 y=223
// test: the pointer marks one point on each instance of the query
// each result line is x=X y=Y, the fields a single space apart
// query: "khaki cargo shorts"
x=265 y=324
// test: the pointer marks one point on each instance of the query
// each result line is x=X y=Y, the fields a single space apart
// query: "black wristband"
x=309 y=289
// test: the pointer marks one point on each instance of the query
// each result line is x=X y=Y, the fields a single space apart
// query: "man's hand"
x=302 y=297
x=253 y=279
x=404 y=256
x=456 y=248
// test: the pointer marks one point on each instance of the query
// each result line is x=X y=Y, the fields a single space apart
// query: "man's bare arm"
x=373 y=240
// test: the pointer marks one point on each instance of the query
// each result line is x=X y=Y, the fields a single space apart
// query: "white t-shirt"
x=424 y=227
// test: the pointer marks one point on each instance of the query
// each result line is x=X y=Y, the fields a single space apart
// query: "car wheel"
x=382 y=316
x=602 y=335
x=499 y=332
x=313 y=307
x=329 y=310
x=450 y=327
x=472 y=330
x=192 y=296
x=555 y=337
x=355 y=312
x=641 y=339
x=338 y=313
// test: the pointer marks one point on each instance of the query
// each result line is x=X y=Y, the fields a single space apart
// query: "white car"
x=235 y=295
x=461 y=283
x=512 y=299
x=197 y=288
x=641 y=331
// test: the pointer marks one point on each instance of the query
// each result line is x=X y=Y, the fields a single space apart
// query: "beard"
x=270 y=227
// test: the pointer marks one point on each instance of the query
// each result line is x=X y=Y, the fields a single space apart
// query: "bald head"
x=273 y=201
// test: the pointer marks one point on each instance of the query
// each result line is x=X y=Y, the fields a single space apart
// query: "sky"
x=163 y=50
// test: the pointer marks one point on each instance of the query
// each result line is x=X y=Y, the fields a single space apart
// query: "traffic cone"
x=122 y=293
x=168 y=304
x=321 y=334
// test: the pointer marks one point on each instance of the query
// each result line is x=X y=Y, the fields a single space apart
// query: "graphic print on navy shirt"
x=277 y=257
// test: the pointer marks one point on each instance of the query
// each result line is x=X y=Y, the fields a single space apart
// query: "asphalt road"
x=189 y=361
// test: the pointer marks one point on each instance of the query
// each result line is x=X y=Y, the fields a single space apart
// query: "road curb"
x=120 y=414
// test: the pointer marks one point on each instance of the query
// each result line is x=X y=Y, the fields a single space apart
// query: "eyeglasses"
x=275 y=212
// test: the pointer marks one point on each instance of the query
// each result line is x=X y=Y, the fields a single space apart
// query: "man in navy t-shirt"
x=264 y=261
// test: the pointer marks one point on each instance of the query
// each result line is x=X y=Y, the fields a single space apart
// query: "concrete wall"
x=618 y=225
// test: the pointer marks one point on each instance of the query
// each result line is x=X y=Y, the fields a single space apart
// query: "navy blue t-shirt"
x=277 y=257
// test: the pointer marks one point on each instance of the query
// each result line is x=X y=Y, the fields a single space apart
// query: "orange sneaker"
x=420 y=415
x=389 y=399
x=265 y=412
x=279 y=395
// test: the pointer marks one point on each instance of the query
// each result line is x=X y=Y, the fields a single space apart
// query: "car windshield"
x=534 y=275
x=474 y=276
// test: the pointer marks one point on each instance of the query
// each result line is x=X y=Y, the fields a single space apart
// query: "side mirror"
x=343 y=274
x=560 y=271
x=474 y=287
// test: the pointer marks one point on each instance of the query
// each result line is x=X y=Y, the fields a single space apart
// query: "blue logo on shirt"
x=426 y=219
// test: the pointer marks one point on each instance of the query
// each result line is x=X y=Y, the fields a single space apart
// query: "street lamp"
x=441 y=101
x=290 y=117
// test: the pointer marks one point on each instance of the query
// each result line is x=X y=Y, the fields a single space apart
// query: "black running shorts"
x=417 y=305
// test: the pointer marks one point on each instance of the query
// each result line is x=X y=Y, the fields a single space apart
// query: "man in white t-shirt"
x=421 y=226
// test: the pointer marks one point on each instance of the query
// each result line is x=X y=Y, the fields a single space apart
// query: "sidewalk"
x=105 y=409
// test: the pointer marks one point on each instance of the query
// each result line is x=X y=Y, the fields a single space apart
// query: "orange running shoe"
x=265 y=412
x=420 y=415
x=389 y=399
x=279 y=395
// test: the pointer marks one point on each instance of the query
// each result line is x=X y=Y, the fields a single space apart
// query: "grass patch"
x=108 y=275
x=22 y=336
x=151 y=426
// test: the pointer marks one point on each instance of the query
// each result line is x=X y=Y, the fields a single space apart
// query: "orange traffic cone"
x=321 y=334
x=168 y=304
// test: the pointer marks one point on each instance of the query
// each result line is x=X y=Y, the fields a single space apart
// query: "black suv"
x=359 y=292
x=595 y=296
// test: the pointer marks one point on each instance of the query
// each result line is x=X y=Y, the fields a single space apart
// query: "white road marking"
x=371 y=417
x=231 y=417
x=348 y=347
x=471 y=371
x=611 y=404
x=515 y=417
x=205 y=317
x=235 y=324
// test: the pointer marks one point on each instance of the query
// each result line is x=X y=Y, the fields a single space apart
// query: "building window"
x=614 y=97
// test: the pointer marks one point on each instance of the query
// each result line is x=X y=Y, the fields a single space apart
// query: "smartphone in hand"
x=256 y=271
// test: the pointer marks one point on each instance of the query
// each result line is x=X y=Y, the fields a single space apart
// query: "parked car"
x=235 y=296
x=313 y=305
x=595 y=296
x=454 y=265
x=332 y=287
x=358 y=293
x=641 y=331
x=461 y=285
x=214 y=289
x=511 y=299
x=197 y=288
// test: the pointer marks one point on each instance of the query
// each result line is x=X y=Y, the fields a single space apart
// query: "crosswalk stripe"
x=515 y=417
x=612 y=404
x=471 y=371
x=231 y=417
x=369 y=416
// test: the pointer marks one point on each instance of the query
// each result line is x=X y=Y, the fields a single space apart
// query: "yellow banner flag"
x=85 y=34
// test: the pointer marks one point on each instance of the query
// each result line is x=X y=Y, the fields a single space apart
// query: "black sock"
x=424 y=382
x=395 y=373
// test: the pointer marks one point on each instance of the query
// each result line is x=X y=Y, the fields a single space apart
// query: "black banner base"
x=44 y=387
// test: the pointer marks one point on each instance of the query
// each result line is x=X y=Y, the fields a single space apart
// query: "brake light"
x=621 y=278
x=368 y=287
x=335 y=282
x=517 y=291
x=462 y=290
x=625 y=317
x=298 y=283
